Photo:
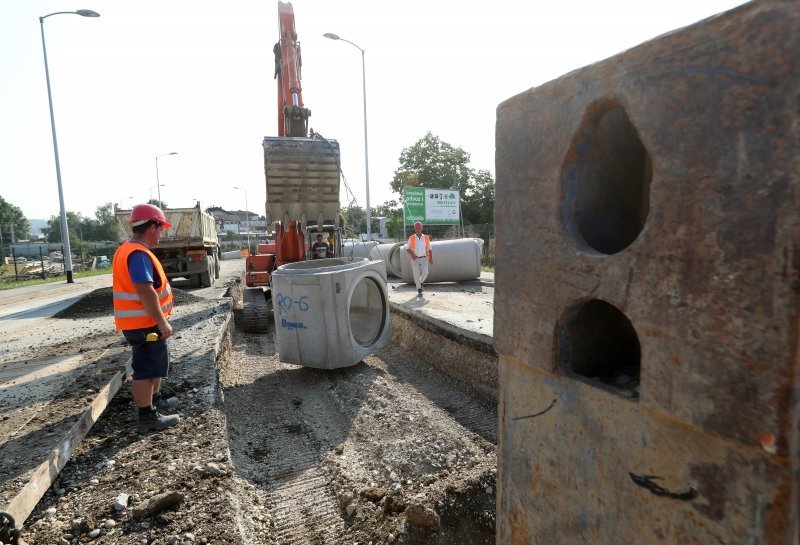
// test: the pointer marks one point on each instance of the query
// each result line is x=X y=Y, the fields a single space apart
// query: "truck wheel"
x=216 y=266
x=205 y=277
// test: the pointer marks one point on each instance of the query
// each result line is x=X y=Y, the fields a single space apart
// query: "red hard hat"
x=142 y=213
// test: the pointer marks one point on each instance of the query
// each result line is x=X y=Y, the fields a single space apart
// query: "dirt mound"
x=99 y=303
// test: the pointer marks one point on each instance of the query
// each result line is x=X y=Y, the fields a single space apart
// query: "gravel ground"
x=387 y=451
x=100 y=303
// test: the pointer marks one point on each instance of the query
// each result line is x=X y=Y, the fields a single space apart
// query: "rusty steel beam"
x=647 y=316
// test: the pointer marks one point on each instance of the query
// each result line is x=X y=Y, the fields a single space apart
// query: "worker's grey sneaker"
x=155 y=421
x=419 y=293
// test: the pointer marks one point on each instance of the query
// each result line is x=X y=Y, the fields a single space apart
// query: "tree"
x=393 y=210
x=355 y=221
x=478 y=204
x=432 y=163
x=161 y=204
x=11 y=215
x=53 y=229
x=104 y=226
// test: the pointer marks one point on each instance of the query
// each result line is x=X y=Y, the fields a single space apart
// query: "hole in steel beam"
x=596 y=343
x=606 y=181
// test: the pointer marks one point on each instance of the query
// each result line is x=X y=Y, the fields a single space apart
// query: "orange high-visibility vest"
x=412 y=243
x=129 y=312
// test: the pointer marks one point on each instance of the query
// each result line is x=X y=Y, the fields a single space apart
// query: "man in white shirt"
x=419 y=248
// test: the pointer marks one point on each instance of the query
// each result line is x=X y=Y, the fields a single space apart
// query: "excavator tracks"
x=256 y=311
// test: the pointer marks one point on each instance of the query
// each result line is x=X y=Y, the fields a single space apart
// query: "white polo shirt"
x=419 y=246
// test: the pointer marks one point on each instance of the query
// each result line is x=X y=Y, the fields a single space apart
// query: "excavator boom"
x=292 y=115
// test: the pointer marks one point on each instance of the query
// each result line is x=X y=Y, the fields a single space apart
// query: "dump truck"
x=189 y=249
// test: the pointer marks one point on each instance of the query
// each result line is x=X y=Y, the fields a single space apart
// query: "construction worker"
x=419 y=248
x=320 y=248
x=142 y=303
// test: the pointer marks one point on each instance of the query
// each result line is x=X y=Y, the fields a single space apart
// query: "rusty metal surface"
x=664 y=182
x=303 y=178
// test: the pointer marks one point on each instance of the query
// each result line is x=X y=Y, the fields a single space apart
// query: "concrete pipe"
x=390 y=253
x=231 y=255
x=330 y=313
x=356 y=248
x=454 y=260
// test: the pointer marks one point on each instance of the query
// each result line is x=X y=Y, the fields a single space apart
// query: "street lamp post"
x=247 y=215
x=333 y=36
x=158 y=181
x=64 y=228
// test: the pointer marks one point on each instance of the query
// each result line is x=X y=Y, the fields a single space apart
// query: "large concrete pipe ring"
x=454 y=260
x=391 y=257
x=330 y=313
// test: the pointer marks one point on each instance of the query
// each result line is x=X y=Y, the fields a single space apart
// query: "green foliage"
x=53 y=229
x=101 y=227
x=355 y=221
x=105 y=224
x=432 y=163
x=12 y=215
x=394 y=211
x=161 y=204
x=478 y=205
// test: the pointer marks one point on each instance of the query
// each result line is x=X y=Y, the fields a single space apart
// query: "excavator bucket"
x=302 y=178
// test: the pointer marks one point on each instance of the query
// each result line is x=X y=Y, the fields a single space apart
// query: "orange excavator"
x=302 y=172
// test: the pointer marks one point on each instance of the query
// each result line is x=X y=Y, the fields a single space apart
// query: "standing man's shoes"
x=164 y=404
x=419 y=292
x=155 y=421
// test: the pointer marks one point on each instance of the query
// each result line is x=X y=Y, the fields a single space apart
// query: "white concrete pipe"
x=355 y=248
x=454 y=260
x=390 y=253
x=330 y=313
x=232 y=255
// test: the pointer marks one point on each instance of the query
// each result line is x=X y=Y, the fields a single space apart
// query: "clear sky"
x=196 y=77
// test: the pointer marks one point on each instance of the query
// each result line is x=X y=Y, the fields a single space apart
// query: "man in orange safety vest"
x=419 y=248
x=142 y=304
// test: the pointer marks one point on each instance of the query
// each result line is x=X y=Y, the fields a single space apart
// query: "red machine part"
x=289 y=243
x=292 y=115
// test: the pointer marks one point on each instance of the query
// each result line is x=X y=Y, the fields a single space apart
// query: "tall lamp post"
x=64 y=228
x=158 y=181
x=333 y=36
x=247 y=215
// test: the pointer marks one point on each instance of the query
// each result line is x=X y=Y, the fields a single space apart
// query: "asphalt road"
x=20 y=305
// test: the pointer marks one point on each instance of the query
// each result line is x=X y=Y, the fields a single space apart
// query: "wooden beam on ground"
x=45 y=473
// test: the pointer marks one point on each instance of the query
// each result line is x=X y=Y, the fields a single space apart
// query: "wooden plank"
x=45 y=473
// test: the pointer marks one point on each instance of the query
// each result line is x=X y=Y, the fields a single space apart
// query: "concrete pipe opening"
x=367 y=312
x=606 y=181
x=597 y=343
